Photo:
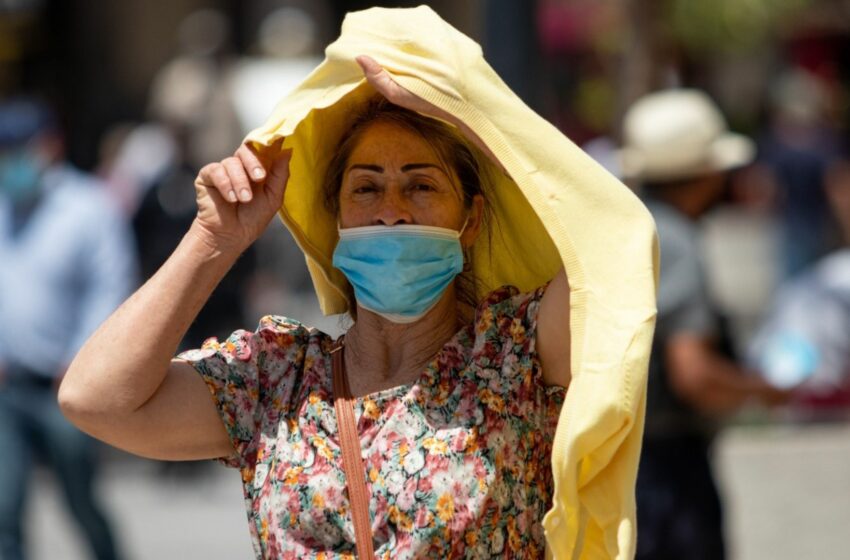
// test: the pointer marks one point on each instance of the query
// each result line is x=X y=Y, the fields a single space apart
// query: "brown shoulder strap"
x=352 y=462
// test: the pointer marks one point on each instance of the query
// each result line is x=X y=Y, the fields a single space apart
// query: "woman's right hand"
x=238 y=196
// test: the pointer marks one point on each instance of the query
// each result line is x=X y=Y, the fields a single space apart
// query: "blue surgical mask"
x=20 y=174
x=399 y=272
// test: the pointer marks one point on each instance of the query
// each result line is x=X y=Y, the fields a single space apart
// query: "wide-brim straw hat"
x=679 y=134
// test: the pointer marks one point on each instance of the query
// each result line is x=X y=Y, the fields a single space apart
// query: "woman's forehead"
x=391 y=144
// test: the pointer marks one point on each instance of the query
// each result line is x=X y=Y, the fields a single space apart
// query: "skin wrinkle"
x=382 y=370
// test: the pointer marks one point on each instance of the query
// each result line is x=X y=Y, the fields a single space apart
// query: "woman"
x=458 y=386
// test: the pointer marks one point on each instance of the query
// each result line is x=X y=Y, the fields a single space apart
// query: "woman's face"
x=393 y=177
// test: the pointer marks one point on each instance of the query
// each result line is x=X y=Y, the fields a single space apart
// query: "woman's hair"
x=450 y=147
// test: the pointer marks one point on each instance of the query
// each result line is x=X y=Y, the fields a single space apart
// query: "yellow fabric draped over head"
x=551 y=206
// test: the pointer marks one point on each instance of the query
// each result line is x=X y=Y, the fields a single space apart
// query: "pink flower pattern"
x=457 y=463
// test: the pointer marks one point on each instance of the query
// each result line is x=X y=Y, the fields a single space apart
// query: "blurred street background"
x=148 y=92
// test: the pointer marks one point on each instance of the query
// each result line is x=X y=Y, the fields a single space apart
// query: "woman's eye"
x=423 y=187
x=365 y=189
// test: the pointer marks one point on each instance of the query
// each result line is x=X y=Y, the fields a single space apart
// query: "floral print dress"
x=457 y=462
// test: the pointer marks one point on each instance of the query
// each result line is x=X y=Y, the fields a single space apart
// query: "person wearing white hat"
x=678 y=148
x=677 y=135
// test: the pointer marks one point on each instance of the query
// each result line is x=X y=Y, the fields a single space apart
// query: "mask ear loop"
x=463 y=227
x=466 y=251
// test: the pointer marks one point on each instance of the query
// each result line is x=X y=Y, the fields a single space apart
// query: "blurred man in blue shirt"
x=66 y=262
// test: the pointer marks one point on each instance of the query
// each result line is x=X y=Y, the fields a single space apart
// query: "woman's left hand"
x=384 y=84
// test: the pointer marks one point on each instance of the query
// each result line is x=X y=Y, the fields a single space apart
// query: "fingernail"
x=231 y=196
x=244 y=195
x=258 y=173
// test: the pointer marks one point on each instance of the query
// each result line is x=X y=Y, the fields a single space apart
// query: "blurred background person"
x=67 y=262
x=805 y=342
x=189 y=102
x=797 y=148
x=204 y=100
x=284 y=51
x=677 y=146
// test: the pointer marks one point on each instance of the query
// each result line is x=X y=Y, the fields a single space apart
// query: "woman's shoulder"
x=503 y=357
x=508 y=301
x=288 y=325
x=506 y=321
x=281 y=331
x=275 y=336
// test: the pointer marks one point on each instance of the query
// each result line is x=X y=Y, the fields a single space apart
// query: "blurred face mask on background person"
x=20 y=173
x=399 y=272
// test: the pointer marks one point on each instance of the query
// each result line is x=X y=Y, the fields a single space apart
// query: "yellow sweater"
x=552 y=206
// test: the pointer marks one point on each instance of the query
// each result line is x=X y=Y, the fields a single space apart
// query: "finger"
x=279 y=175
x=378 y=77
x=251 y=161
x=214 y=175
x=238 y=178
x=368 y=64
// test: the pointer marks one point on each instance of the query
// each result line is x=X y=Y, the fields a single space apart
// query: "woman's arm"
x=123 y=387
x=553 y=331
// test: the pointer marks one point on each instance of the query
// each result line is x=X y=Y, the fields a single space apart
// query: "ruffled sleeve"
x=253 y=378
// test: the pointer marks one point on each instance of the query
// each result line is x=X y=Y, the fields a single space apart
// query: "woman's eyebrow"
x=415 y=166
x=367 y=167
x=405 y=168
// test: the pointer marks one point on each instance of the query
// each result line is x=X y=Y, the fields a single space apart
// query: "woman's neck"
x=380 y=354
